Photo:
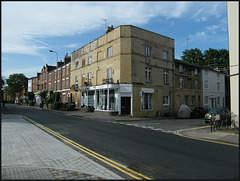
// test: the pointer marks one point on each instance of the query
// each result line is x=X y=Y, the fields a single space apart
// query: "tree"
x=193 y=56
x=212 y=57
x=43 y=94
x=16 y=84
x=30 y=96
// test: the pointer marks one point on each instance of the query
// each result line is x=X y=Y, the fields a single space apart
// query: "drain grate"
x=143 y=169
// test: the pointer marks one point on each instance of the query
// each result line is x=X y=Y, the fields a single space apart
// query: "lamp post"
x=54 y=52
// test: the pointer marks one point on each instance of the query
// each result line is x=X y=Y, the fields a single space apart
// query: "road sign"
x=141 y=93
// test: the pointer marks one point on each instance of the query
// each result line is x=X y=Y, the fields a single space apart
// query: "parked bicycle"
x=217 y=125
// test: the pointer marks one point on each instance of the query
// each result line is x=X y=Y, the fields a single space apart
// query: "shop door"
x=125 y=105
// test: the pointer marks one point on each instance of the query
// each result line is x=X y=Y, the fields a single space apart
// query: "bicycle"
x=217 y=125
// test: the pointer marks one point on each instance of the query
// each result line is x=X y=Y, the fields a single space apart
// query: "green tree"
x=193 y=56
x=43 y=95
x=30 y=96
x=211 y=57
x=16 y=84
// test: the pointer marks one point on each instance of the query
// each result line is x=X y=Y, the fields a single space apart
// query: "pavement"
x=29 y=153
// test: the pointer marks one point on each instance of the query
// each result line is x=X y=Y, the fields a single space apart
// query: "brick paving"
x=28 y=153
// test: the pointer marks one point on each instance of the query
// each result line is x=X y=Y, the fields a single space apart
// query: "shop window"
x=166 y=100
x=147 y=101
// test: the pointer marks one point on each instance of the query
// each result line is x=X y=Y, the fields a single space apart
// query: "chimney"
x=109 y=29
x=67 y=59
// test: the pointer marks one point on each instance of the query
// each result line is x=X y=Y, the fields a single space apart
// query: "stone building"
x=128 y=70
x=188 y=84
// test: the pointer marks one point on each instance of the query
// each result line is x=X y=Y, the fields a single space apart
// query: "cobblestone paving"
x=30 y=153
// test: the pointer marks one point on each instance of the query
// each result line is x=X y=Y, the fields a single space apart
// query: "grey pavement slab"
x=30 y=153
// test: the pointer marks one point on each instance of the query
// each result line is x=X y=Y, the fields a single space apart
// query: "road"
x=155 y=154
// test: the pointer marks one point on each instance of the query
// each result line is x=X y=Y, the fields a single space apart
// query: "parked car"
x=199 y=112
x=215 y=111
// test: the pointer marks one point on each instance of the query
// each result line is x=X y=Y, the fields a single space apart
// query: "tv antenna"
x=105 y=20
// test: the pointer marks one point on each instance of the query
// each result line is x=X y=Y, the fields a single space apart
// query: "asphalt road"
x=155 y=154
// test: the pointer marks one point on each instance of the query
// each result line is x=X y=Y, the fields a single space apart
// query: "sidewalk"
x=28 y=153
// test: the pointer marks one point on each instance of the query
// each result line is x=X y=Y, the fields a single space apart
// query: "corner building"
x=128 y=70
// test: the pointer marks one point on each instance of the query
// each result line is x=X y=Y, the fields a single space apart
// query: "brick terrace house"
x=59 y=79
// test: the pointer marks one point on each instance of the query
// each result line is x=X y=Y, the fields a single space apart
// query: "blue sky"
x=31 y=29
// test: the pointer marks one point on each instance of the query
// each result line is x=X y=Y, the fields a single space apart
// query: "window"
x=89 y=60
x=55 y=85
x=58 y=73
x=186 y=99
x=180 y=68
x=83 y=63
x=109 y=51
x=165 y=76
x=181 y=82
x=165 y=100
x=83 y=78
x=218 y=100
x=67 y=83
x=50 y=77
x=58 y=85
x=193 y=100
x=196 y=84
x=63 y=71
x=49 y=86
x=165 y=55
x=218 y=86
x=206 y=73
x=109 y=74
x=55 y=75
x=218 y=75
x=147 y=101
x=67 y=70
x=76 y=65
x=206 y=100
x=63 y=98
x=63 y=84
x=89 y=78
x=196 y=71
x=206 y=84
x=147 y=51
x=148 y=74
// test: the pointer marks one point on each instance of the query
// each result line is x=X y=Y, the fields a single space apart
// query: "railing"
x=107 y=81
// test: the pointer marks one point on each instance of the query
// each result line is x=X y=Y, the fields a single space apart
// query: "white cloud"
x=202 y=11
x=25 y=23
x=28 y=72
x=73 y=45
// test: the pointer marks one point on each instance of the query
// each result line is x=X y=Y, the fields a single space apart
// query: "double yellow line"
x=109 y=162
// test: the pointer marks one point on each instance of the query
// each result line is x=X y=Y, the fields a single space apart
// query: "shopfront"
x=106 y=97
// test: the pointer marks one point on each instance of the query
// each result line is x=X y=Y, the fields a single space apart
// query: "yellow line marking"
x=90 y=152
x=201 y=139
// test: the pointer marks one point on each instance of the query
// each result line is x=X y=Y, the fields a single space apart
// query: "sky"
x=31 y=28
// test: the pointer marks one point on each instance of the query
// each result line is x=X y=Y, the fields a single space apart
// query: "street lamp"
x=54 y=52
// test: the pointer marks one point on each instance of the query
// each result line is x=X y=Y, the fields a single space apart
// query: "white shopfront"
x=107 y=97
